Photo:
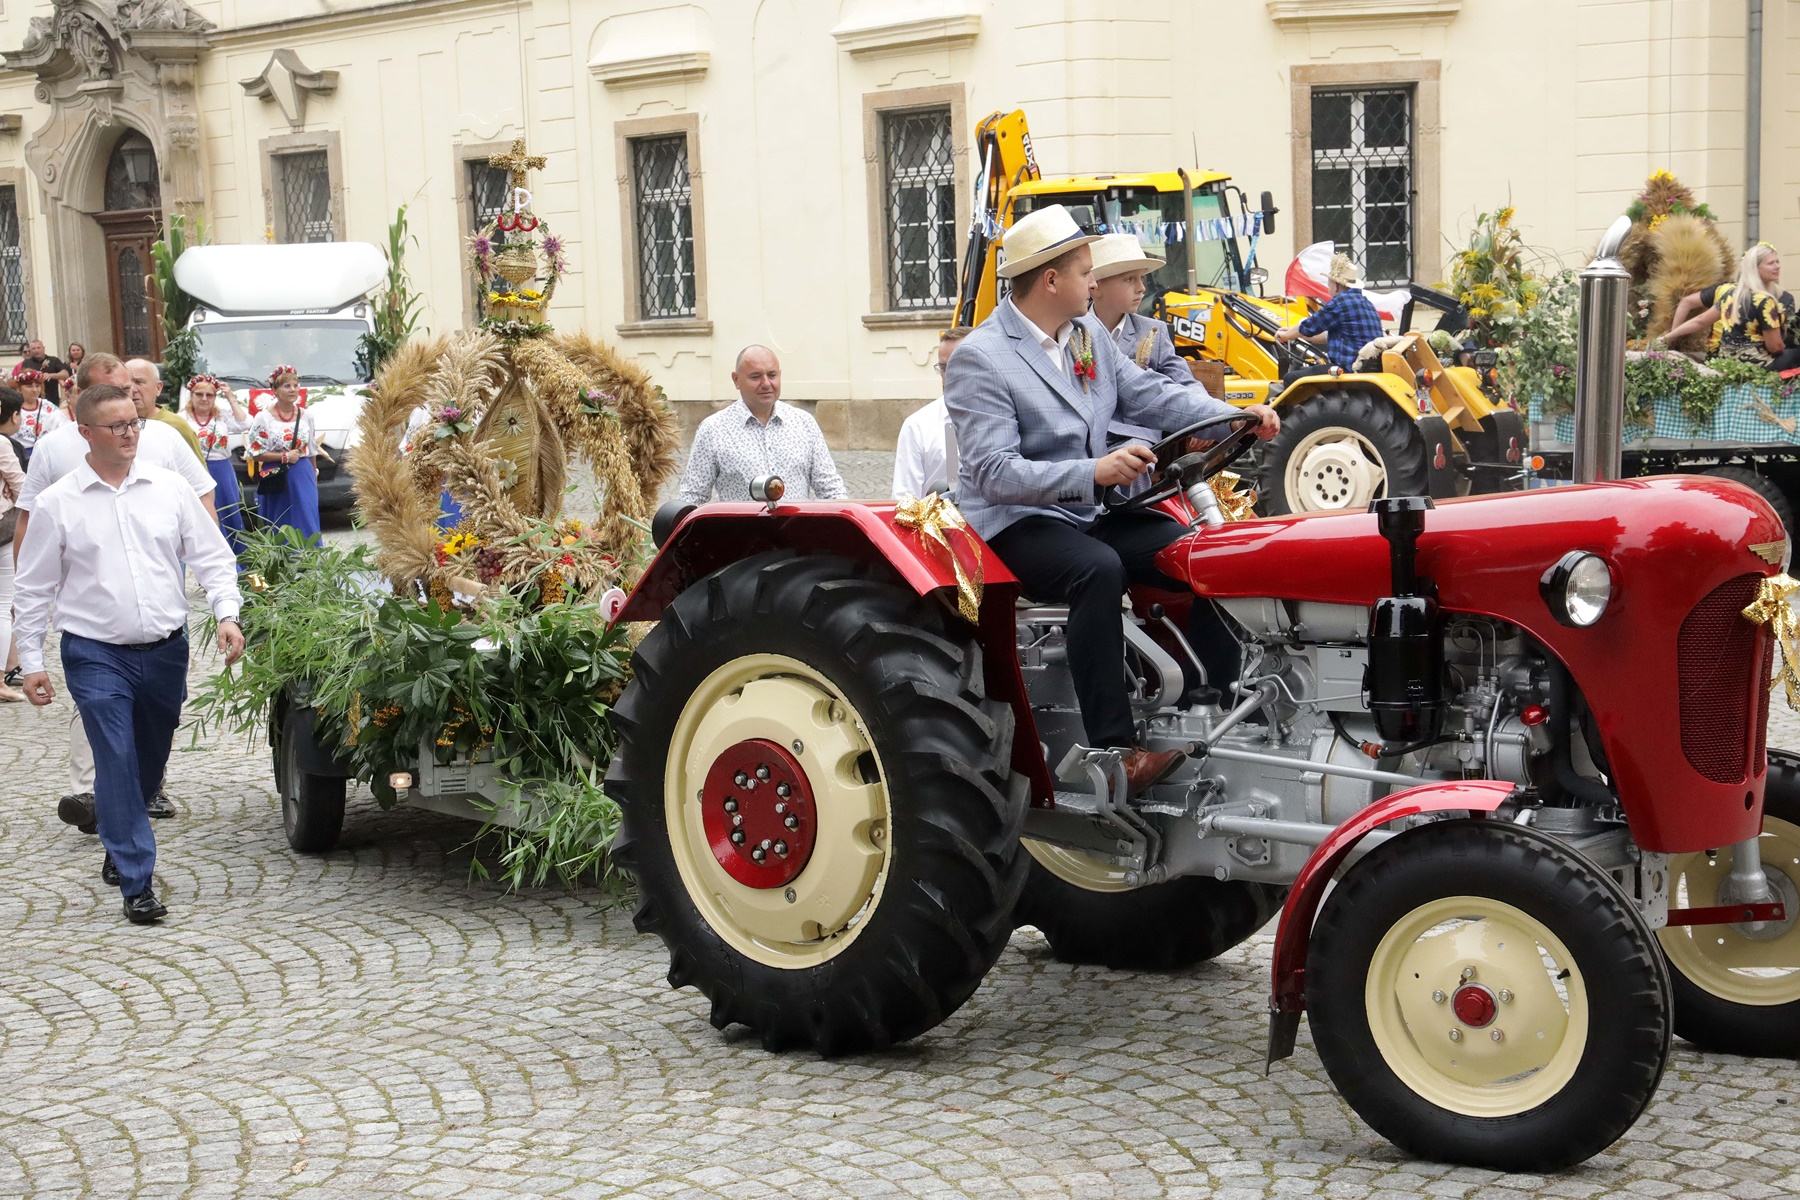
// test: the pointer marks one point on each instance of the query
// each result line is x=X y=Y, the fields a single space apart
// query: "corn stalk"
x=180 y=346
x=397 y=310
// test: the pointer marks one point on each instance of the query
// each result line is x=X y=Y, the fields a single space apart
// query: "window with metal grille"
x=305 y=182
x=665 y=226
x=1362 y=177
x=919 y=174
x=489 y=189
x=12 y=270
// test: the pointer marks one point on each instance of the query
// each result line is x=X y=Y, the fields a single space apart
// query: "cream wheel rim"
x=1753 y=965
x=1089 y=872
x=1533 y=998
x=821 y=910
x=1334 y=470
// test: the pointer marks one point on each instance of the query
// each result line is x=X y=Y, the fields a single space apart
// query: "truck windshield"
x=322 y=350
x=1155 y=217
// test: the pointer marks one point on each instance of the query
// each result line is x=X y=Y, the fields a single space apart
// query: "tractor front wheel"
x=1737 y=987
x=1089 y=913
x=1482 y=994
x=1338 y=450
x=818 y=803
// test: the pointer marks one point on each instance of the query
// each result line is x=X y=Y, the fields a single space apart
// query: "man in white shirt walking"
x=109 y=549
x=759 y=435
x=921 y=457
x=57 y=455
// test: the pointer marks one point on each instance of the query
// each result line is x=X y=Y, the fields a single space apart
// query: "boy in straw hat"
x=1348 y=320
x=1121 y=271
x=1031 y=393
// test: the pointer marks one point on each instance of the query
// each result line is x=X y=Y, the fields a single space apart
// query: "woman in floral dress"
x=282 y=443
x=214 y=426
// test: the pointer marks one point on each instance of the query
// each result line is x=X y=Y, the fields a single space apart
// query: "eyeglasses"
x=118 y=428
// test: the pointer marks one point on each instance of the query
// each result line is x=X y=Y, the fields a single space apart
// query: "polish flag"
x=1310 y=275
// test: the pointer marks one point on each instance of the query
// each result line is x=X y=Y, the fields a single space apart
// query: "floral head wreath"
x=276 y=375
x=195 y=381
x=28 y=376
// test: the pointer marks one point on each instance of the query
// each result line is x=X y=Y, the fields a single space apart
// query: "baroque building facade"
x=796 y=172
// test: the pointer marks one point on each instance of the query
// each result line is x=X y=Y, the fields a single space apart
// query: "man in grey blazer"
x=1031 y=393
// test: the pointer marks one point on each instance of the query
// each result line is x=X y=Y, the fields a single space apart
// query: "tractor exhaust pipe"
x=1600 y=360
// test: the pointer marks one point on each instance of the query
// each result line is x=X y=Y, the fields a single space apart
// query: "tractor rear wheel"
x=1482 y=994
x=1737 y=987
x=1340 y=449
x=818 y=803
x=1090 y=914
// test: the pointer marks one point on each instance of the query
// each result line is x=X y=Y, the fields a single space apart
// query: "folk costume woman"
x=282 y=442
x=38 y=416
x=214 y=427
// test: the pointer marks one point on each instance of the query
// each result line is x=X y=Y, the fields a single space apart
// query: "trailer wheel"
x=1089 y=914
x=838 y=724
x=1763 y=486
x=1481 y=994
x=1338 y=450
x=312 y=806
x=1737 y=987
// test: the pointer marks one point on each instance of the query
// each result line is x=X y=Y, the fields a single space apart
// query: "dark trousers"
x=130 y=701
x=1088 y=569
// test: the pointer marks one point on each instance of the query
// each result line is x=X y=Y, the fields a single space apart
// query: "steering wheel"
x=1179 y=471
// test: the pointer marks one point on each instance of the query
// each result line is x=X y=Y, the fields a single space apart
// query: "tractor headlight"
x=1577 y=588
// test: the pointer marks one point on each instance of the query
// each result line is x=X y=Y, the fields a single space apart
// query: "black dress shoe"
x=77 y=810
x=14 y=677
x=160 y=805
x=109 y=874
x=144 y=908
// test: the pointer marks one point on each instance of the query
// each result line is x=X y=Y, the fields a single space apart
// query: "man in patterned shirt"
x=1348 y=320
x=759 y=435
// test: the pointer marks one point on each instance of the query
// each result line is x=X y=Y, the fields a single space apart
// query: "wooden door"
x=136 y=309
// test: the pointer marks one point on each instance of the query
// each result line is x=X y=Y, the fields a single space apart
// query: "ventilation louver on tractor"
x=1718 y=660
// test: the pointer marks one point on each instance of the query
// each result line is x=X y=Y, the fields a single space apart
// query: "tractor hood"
x=1675 y=677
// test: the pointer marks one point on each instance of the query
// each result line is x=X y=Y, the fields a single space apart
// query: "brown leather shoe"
x=1146 y=768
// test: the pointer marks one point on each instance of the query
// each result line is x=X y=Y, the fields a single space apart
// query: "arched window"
x=131 y=177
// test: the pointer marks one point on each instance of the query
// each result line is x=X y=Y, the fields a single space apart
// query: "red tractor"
x=1503 y=758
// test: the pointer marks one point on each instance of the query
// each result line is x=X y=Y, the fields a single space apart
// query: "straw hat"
x=1120 y=254
x=1343 y=271
x=1040 y=237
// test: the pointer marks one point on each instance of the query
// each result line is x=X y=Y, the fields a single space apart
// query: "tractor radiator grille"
x=1718 y=665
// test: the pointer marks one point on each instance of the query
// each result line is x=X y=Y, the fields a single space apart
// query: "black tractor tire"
x=1369 y=415
x=312 y=806
x=1163 y=927
x=1710 y=1020
x=1763 y=486
x=912 y=680
x=1596 y=1087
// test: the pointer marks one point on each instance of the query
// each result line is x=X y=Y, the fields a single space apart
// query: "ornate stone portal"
x=106 y=70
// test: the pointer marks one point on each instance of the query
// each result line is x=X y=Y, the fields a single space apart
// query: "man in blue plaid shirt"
x=1348 y=320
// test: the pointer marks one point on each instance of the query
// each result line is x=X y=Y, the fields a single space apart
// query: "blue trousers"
x=130 y=701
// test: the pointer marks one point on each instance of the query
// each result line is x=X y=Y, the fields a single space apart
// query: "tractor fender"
x=712 y=536
x=1388 y=386
x=1293 y=934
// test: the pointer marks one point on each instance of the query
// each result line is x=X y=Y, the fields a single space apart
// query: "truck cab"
x=305 y=304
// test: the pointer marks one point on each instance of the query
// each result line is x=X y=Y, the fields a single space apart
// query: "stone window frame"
x=273 y=147
x=461 y=155
x=1423 y=76
x=20 y=180
x=875 y=106
x=687 y=125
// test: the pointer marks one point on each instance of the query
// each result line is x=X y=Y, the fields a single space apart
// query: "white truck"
x=306 y=305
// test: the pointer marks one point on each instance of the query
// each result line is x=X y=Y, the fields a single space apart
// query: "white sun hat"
x=1039 y=237
x=1120 y=254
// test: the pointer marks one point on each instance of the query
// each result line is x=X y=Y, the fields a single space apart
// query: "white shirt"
x=1054 y=347
x=920 y=465
x=215 y=435
x=39 y=422
x=62 y=450
x=110 y=560
x=732 y=447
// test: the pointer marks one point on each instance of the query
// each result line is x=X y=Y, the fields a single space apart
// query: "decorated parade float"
x=465 y=662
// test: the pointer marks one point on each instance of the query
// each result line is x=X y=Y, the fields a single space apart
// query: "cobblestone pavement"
x=372 y=1023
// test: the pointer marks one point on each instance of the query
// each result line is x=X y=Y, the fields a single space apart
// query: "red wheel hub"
x=759 y=814
x=1474 y=1005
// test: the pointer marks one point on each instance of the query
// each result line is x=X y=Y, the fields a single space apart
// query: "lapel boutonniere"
x=1082 y=344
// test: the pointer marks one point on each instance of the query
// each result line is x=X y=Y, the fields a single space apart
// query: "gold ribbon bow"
x=1772 y=607
x=1236 y=505
x=934 y=518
